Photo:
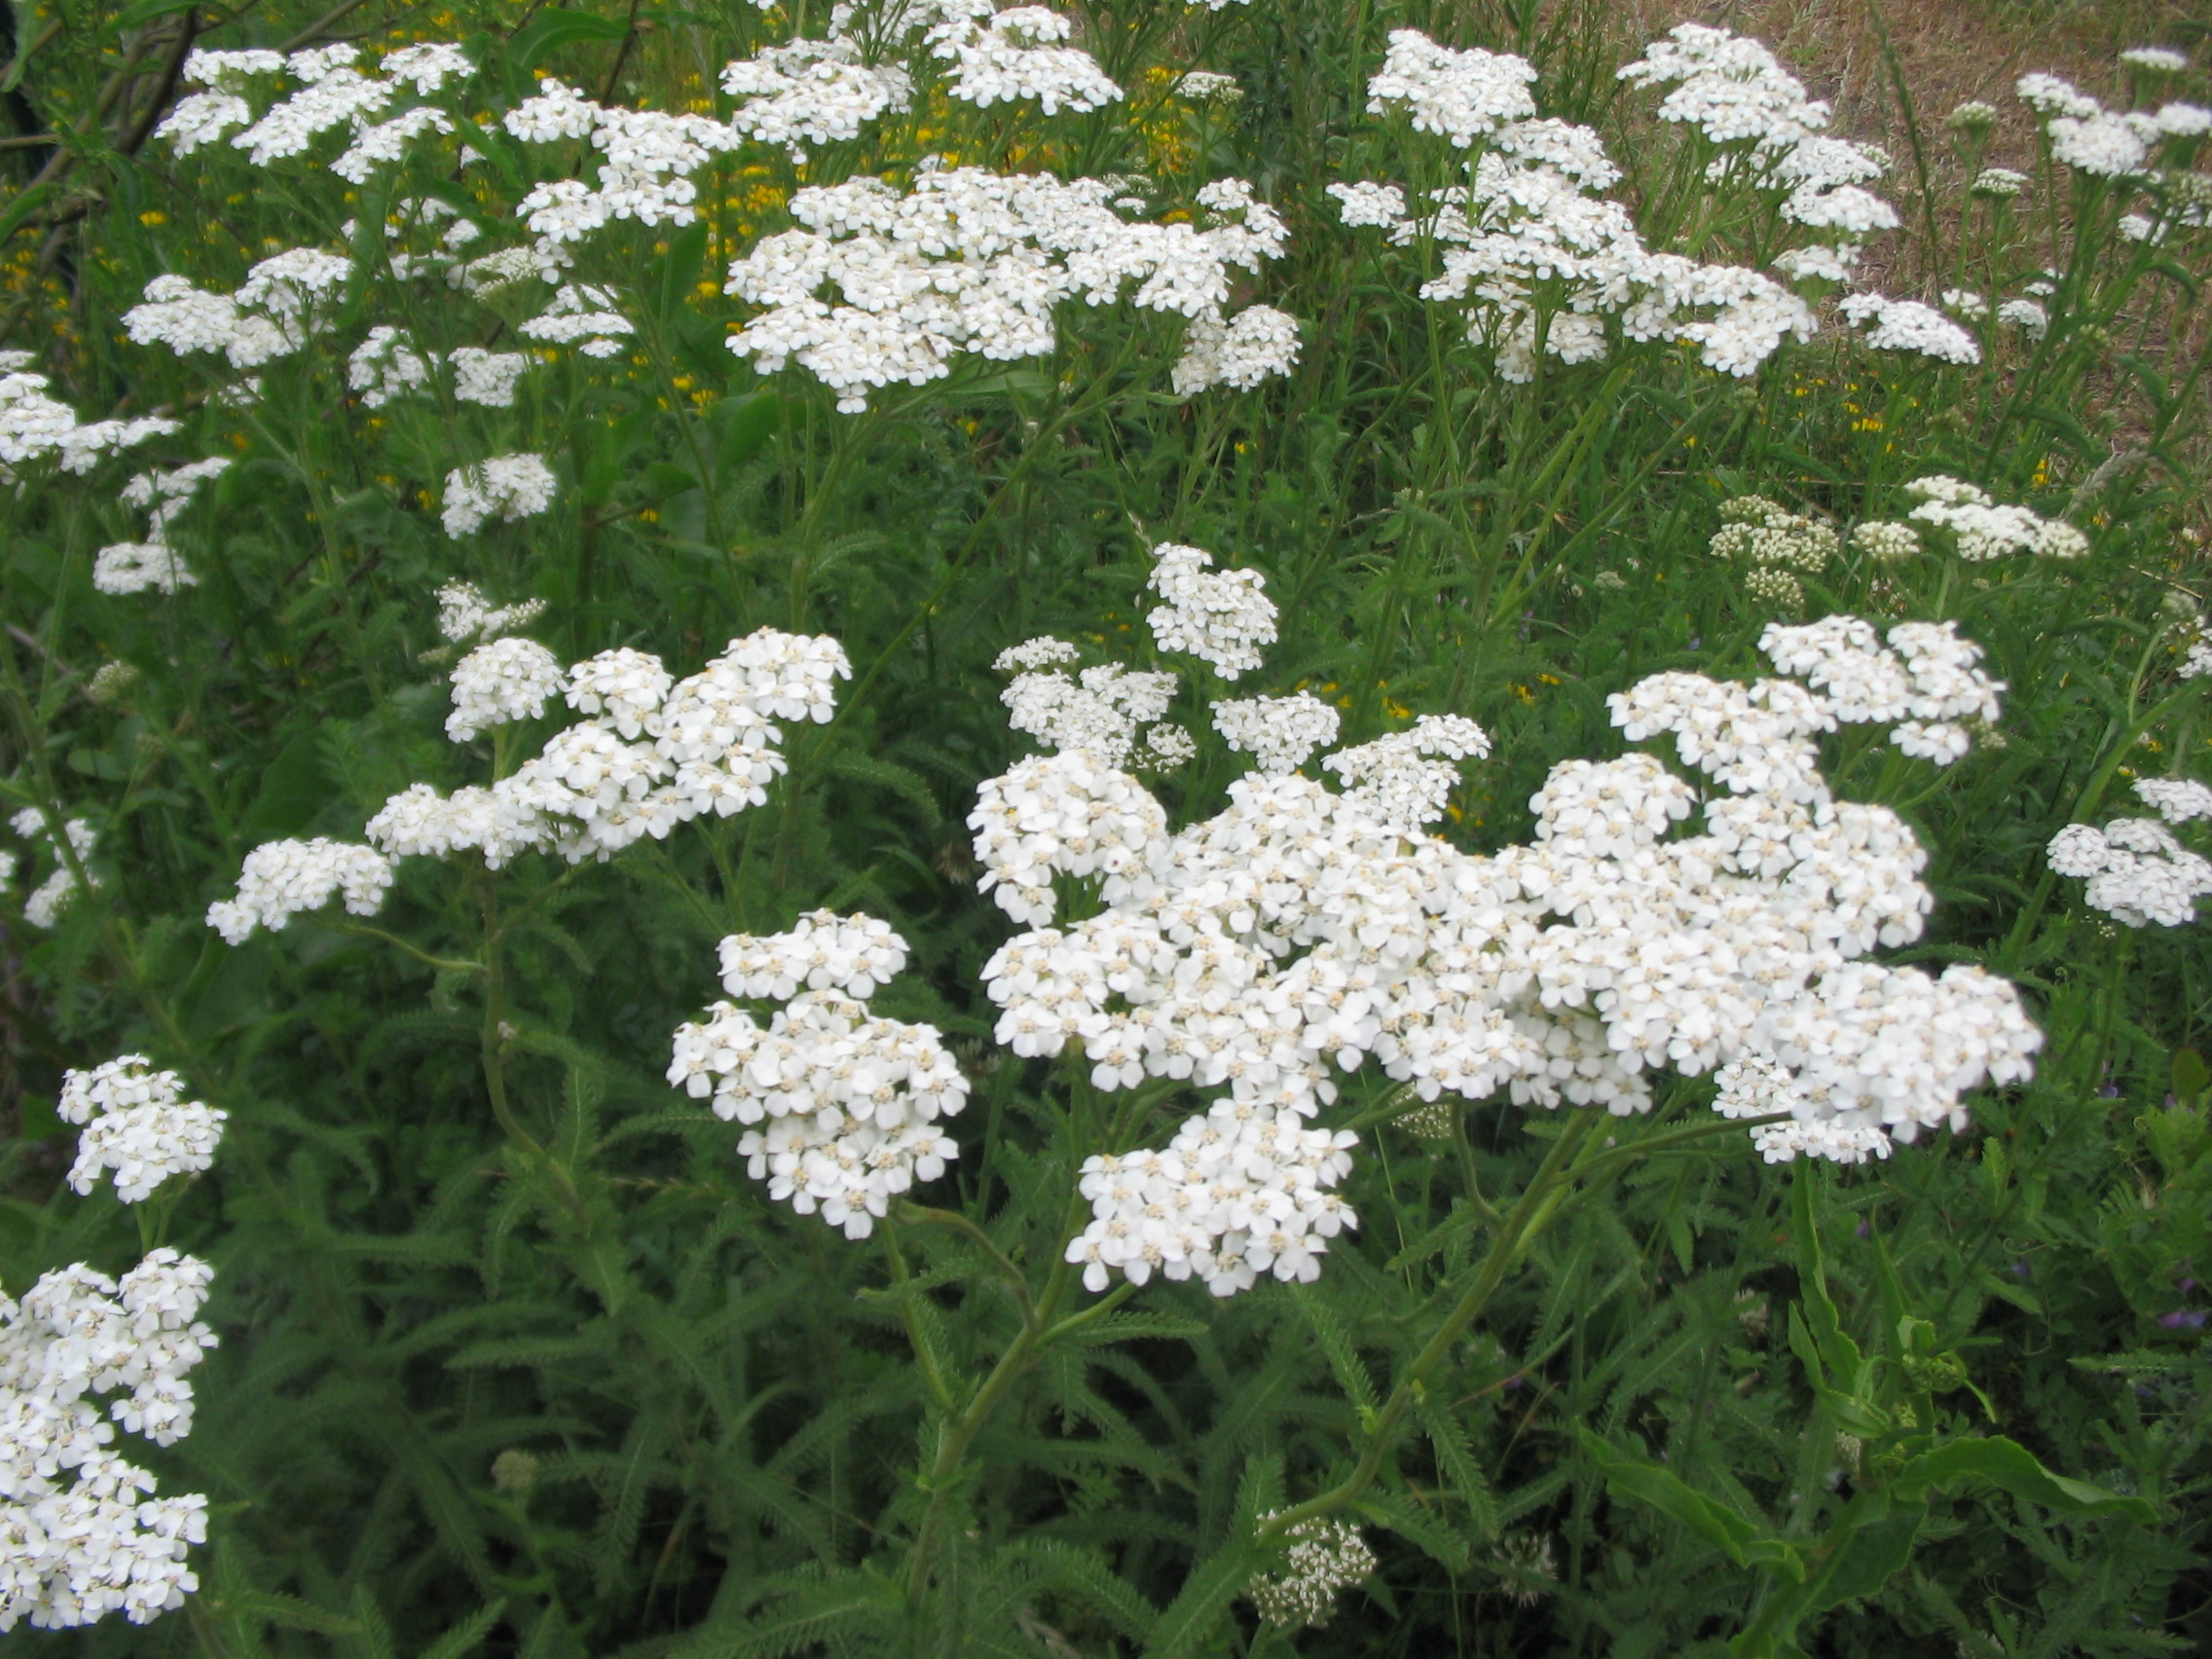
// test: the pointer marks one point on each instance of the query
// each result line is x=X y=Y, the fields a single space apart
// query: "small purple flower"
x=2110 y=1091
x=2020 y=1269
x=2185 y=1287
x=2182 y=1319
x=1862 y=1232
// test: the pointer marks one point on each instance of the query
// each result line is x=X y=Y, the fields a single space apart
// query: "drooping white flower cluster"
x=1220 y=617
x=137 y=566
x=82 y=1533
x=880 y=288
x=466 y=615
x=1278 y=733
x=1980 y=528
x=283 y=879
x=387 y=367
x=841 y=1107
x=2138 y=872
x=50 y=897
x=35 y=427
x=285 y=301
x=1541 y=261
x=1324 y=1556
x=1300 y=930
x=137 y=1123
x=506 y=487
x=653 y=753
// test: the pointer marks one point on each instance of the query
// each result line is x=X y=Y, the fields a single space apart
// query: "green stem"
x=1538 y=1205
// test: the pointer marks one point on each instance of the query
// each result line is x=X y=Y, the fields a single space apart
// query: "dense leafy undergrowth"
x=600 y=538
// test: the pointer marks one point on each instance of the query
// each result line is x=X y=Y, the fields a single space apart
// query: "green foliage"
x=516 y=1359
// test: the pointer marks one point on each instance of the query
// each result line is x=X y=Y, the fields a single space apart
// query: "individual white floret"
x=44 y=906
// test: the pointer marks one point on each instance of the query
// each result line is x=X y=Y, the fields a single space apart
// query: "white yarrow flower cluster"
x=1324 y=1555
x=653 y=753
x=153 y=564
x=81 y=1532
x=810 y=92
x=1980 y=528
x=1280 y=732
x=501 y=681
x=1259 y=344
x=283 y=879
x=285 y=301
x=506 y=487
x=879 y=288
x=1014 y=56
x=1098 y=710
x=387 y=367
x=1527 y=224
x=841 y=1107
x=1220 y=617
x=137 y=1123
x=1405 y=778
x=36 y=427
x=586 y=317
x=1300 y=930
x=2136 y=871
x=1907 y=325
x=50 y=897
